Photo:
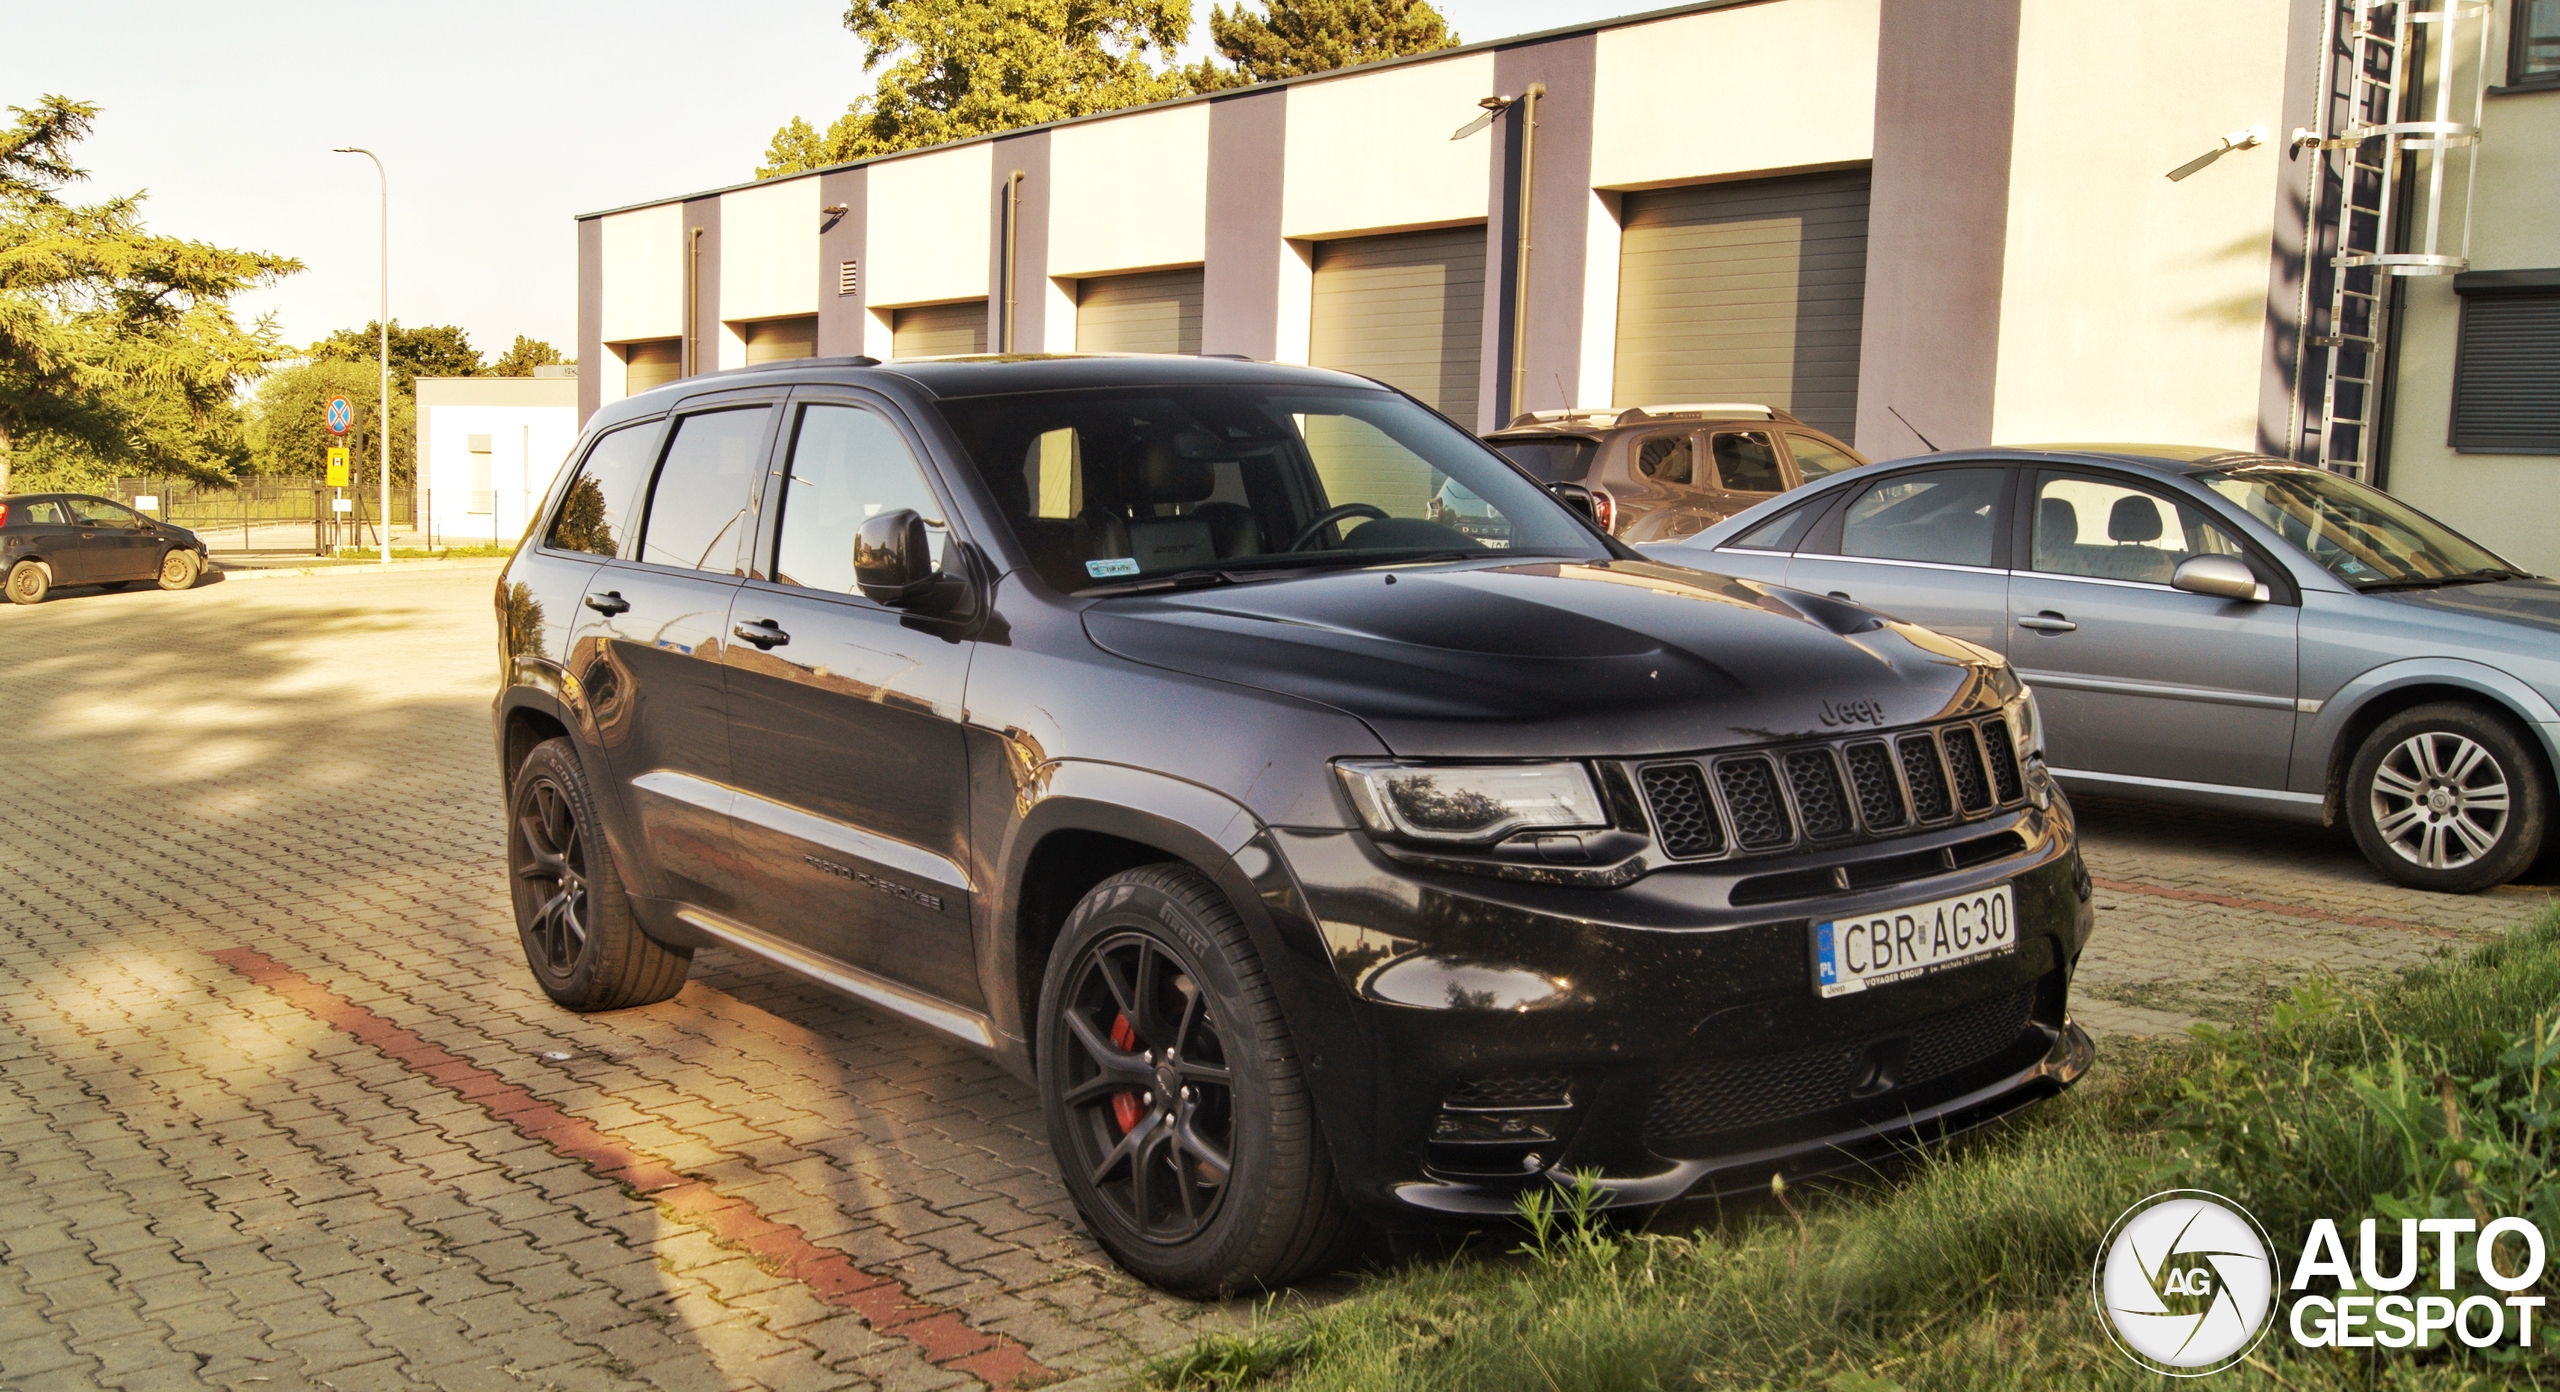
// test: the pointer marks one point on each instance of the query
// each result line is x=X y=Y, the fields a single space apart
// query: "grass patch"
x=423 y=553
x=1971 y=1268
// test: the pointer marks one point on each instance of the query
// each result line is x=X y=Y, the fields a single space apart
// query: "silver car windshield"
x=1129 y=487
x=2362 y=535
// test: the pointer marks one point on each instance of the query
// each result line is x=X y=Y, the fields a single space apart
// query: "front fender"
x=2319 y=743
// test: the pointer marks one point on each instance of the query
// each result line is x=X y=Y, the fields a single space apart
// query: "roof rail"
x=1705 y=410
x=1603 y=414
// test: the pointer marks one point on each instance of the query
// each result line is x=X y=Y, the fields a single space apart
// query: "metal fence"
x=237 y=514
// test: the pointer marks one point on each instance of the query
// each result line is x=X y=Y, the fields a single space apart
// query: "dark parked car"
x=54 y=539
x=2216 y=629
x=1322 y=864
x=1660 y=473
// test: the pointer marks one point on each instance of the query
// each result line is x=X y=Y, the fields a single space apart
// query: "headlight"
x=1470 y=803
x=2026 y=724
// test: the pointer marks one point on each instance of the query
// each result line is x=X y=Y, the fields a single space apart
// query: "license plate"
x=1852 y=954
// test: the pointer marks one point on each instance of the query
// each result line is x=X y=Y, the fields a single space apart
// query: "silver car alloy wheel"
x=2440 y=800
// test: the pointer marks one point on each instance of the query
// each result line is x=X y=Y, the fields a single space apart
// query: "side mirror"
x=2223 y=577
x=893 y=558
x=1578 y=498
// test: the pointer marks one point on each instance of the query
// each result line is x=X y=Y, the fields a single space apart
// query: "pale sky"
x=499 y=122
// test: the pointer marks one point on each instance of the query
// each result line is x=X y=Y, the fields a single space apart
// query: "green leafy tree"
x=118 y=348
x=289 y=433
x=1295 y=37
x=958 y=68
x=437 y=350
x=523 y=358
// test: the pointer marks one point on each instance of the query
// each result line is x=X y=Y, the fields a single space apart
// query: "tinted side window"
x=2106 y=530
x=847 y=465
x=1943 y=516
x=1667 y=458
x=45 y=514
x=102 y=513
x=698 y=510
x=1815 y=459
x=1779 y=533
x=600 y=512
x=1747 y=462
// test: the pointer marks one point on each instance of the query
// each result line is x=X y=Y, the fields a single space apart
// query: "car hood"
x=2533 y=603
x=1594 y=659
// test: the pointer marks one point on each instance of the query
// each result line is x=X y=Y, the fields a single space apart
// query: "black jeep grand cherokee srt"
x=1324 y=866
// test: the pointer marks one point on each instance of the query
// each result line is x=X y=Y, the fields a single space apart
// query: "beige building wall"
x=1129 y=194
x=1800 y=93
x=2134 y=309
x=768 y=258
x=1372 y=153
x=2508 y=502
x=929 y=220
x=643 y=255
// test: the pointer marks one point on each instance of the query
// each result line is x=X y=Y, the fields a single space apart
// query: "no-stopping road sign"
x=341 y=415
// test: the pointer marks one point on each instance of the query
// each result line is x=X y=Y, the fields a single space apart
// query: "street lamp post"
x=382 y=322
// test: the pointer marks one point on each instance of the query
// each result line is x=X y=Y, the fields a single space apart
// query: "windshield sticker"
x=2353 y=568
x=1104 y=569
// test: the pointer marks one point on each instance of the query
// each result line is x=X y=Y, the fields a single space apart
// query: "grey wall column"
x=591 y=349
x=1938 y=222
x=705 y=214
x=1240 y=278
x=841 y=239
x=2280 y=429
x=1559 y=226
x=1030 y=154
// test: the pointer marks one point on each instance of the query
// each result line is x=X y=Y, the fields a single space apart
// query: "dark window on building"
x=2533 y=44
x=597 y=512
x=2506 y=371
x=698 y=511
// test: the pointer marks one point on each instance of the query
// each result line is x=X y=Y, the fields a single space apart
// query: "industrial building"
x=487 y=450
x=1915 y=223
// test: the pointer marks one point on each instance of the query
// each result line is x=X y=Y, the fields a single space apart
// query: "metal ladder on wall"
x=2360 y=210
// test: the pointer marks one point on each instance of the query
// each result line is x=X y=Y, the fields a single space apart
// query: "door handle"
x=609 y=603
x=2048 y=622
x=763 y=633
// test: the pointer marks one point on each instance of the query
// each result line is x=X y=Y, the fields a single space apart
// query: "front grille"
x=1928 y=786
x=1964 y=763
x=1751 y=795
x=1760 y=802
x=1708 y=1096
x=1510 y=1091
x=1816 y=781
x=1682 y=815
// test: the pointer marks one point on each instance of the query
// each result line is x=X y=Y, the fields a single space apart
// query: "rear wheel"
x=29 y=582
x=1175 y=1102
x=586 y=950
x=2446 y=797
x=179 y=569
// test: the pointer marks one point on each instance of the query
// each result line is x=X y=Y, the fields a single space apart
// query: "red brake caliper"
x=1126 y=1109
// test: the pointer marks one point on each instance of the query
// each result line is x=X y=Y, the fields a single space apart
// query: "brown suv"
x=1659 y=473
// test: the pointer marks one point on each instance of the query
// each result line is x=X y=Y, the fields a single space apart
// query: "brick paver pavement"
x=280 y=1107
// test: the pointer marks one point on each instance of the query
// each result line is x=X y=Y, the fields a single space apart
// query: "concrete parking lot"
x=280 y=1107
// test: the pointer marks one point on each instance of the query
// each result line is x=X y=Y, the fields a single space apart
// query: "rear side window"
x=1747 y=462
x=1779 y=533
x=1944 y=516
x=698 y=509
x=1817 y=459
x=1667 y=459
x=847 y=465
x=45 y=514
x=601 y=511
x=1552 y=461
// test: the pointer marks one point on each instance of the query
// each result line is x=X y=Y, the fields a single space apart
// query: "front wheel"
x=179 y=569
x=1175 y=1102
x=586 y=950
x=2446 y=797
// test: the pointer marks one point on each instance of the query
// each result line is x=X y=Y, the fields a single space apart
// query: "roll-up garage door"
x=1745 y=292
x=1150 y=312
x=933 y=331
x=651 y=364
x=1407 y=310
x=776 y=340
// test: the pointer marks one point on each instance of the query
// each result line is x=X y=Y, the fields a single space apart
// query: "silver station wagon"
x=2216 y=629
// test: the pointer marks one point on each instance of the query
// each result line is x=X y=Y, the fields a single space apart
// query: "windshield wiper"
x=2484 y=576
x=1178 y=580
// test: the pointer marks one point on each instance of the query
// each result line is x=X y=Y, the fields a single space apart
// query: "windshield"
x=1559 y=460
x=2362 y=535
x=1119 y=485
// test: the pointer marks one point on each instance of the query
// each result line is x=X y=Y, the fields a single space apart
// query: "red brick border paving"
x=2270 y=906
x=884 y=1302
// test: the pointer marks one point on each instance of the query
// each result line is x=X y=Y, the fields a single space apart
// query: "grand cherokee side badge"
x=888 y=887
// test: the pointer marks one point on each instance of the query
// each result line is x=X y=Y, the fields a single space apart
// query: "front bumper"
x=1658 y=1036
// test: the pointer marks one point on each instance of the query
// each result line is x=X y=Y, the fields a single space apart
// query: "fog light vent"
x=1511 y=1091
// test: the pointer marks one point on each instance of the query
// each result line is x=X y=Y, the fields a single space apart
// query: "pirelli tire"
x=586 y=949
x=1175 y=1100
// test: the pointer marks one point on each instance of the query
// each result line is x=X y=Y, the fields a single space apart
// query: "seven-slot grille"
x=1762 y=801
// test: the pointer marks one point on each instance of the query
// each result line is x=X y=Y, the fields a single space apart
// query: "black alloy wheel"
x=2446 y=797
x=586 y=950
x=178 y=569
x=29 y=582
x=1174 y=1098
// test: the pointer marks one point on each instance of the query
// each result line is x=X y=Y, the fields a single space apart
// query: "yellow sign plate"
x=337 y=466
